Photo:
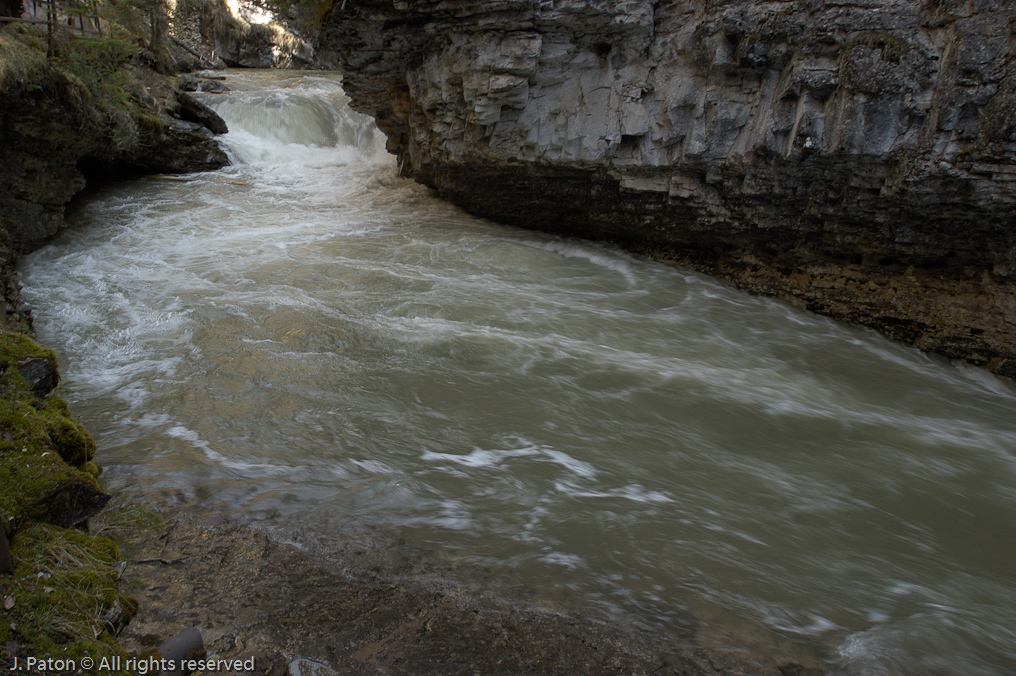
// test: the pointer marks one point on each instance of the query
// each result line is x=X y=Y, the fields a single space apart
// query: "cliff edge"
x=855 y=157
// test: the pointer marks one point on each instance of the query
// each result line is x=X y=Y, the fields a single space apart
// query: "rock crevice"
x=857 y=158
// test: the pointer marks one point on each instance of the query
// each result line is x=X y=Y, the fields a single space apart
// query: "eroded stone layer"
x=857 y=157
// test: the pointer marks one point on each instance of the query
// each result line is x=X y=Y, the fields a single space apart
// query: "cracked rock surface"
x=856 y=157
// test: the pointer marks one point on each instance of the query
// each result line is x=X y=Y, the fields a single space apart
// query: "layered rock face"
x=857 y=157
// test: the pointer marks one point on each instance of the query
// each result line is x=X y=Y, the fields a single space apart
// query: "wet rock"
x=213 y=87
x=70 y=504
x=41 y=375
x=307 y=667
x=860 y=163
x=187 y=645
x=196 y=111
x=176 y=147
x=117 y=616
x=375 y=611
x=208 y=86
x=271 y=664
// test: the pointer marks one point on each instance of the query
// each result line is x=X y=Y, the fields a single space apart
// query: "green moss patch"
x=70 y=439
x=16 y=347
x=44 y=452
x=63 y=600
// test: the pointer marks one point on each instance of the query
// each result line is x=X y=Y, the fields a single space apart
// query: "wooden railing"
x=55 y=16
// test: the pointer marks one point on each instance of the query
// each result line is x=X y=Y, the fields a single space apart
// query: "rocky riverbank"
x=94 y=111
x=378 y=606
x=856 y=158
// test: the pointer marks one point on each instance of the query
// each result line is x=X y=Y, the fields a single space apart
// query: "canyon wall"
x=855 y=157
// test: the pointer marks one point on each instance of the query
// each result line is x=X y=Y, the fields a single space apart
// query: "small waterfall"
x=306 y=121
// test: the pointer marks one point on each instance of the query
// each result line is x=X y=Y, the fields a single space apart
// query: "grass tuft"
x=67 y=601
x=133 y=527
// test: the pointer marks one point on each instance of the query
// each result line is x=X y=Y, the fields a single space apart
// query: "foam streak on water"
x=306 y=337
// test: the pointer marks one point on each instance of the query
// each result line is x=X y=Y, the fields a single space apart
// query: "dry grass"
x=20 y=63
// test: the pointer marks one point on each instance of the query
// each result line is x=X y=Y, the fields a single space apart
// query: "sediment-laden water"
x=308 y=339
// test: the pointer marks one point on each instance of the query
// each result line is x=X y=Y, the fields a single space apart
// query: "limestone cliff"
x=857 y=157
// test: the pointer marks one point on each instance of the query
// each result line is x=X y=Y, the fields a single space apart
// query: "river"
x=308 y=340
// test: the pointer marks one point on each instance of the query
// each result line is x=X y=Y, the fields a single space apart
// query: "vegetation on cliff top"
x=111 y=82
x=20 y=64
x=95 y=76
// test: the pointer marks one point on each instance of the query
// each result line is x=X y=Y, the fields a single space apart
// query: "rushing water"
x=308 y=337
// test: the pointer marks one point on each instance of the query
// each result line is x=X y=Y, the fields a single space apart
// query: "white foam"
x=613 y=261
x=243 y=468
x=632 y=492
x=480 y=458
x=311 y=127
x=569 y=561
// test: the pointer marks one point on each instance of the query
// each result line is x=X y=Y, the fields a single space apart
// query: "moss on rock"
x=70 y=439
x=44 y=452
x=16 y=347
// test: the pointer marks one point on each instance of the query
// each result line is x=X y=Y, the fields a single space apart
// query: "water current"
x=306 y=338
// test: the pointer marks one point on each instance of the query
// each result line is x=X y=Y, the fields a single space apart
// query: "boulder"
x=70 y=504
x=190 y=83
x=41 y=375
x=196 y=111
